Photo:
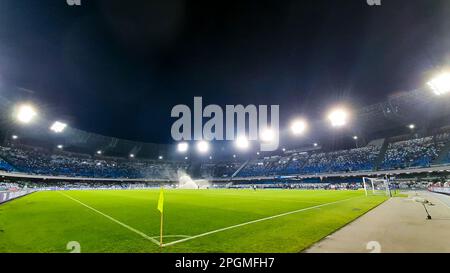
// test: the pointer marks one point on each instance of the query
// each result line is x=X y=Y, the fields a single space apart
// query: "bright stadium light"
x=14 y=137
x=412 y=126
x=203 y=147
x=316 y=144
x=242 y=142
x=338 y=117
x=60 y=146
x=298 y=127
x=440 y=84
x=210 y=157
x=160 y=157
x=25 y=113
x=182 y=147
x=99 y=152
x=58 y=127
x=186 y=158
x=267 y=135
x=132 y=155
x=355 y=137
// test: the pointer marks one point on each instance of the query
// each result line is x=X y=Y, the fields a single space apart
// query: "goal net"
x=376 y=186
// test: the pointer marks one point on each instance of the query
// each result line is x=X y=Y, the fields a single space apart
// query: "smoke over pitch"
x=186 y=182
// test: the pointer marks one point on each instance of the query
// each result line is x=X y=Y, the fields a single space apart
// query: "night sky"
x=118 y=67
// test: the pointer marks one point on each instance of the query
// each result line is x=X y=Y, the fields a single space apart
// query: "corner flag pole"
x=161 y=232
x=161 y=210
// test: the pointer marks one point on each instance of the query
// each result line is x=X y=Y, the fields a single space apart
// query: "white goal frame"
x=370 y=181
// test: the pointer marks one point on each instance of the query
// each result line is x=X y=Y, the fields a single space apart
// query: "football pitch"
x=220 y=221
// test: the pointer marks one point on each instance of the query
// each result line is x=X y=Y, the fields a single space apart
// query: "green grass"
x=47 y=221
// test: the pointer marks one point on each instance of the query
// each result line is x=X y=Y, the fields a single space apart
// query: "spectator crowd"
x=405 y=153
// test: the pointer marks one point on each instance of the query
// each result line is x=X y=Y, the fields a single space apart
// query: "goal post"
x=376 y=186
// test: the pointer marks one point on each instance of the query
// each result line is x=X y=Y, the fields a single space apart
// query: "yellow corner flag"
x=161 y=209
x=161 y=201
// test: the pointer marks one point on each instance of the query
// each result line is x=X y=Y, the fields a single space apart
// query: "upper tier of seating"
x=419 y=152
x=401 y=154
x=313 y=162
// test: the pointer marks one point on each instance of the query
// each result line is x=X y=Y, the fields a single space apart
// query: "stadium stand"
x=43 y=162
x=314 y=162
x=419 y=152
x=5 y=166
x=397 y=153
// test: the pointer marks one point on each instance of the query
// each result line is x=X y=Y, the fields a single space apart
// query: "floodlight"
x=186 y=158
x=210 y=157
x=298 y=127
x=60 y=146
x=316 y=144
x=355 y=137
x=284 y=149
x=14 y=137
x=182 y=147
x=202 y=146
x=160 y=157
x=25 y=113
x=440 y=84
x=234 y=156
x=412 y=126
x=267 y=135
x=257 y=153
x=58 y=127
x=132 y=155
x=99 y=152
x=338 y=117
x=242 y=142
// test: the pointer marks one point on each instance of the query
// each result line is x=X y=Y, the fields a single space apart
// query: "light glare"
x=440 y=84
x=58 y=127
x=242 y=142
x=183 y=147
x=267 y=135
x=203 y=147
x=26 y=113
x=298 y=127
x=338 y=117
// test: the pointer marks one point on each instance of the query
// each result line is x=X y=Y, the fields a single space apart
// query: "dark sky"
x=118 y=67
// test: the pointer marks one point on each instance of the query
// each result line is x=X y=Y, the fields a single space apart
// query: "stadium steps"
x=380 y=158
x=442 y=154
x=240 y=168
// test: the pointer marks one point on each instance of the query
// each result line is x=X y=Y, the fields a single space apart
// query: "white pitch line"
x=256 y=221
x=172 y=236
x=112 y=219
